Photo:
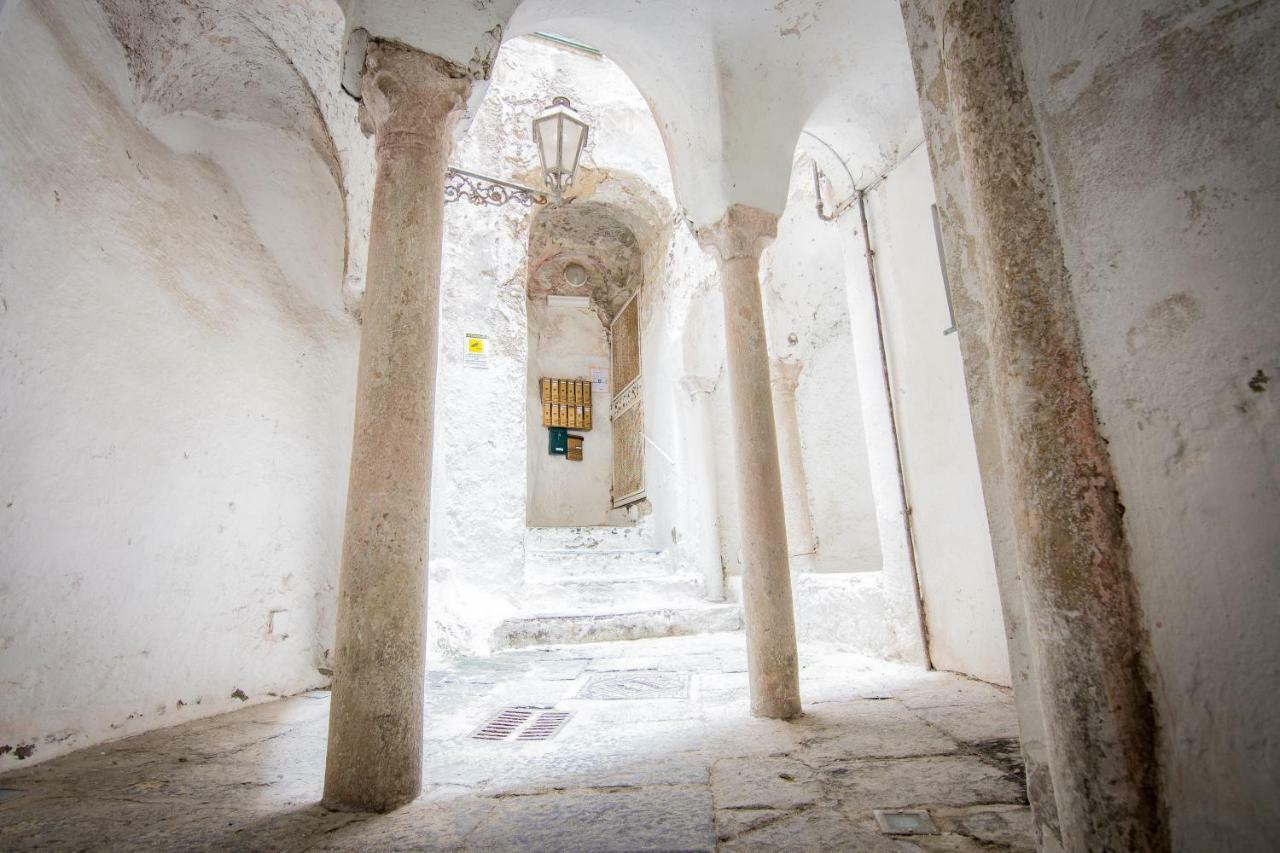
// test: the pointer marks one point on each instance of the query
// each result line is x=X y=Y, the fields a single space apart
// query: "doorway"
x=584 y=335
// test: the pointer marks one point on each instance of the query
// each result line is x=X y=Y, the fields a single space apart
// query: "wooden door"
x=626 y=410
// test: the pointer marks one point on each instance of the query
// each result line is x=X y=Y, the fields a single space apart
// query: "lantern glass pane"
x=570 y=145
x=548 y=140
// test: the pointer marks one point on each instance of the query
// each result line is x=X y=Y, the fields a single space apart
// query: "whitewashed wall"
x=803 y=279
x=862 y=595
x=1168 y=194
x=949 y=520
x=567 y=341
x=488 y=447
x=677 y=271
x=176 y=392
x=478 y=475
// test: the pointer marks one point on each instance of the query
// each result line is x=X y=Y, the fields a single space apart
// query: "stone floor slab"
x=651 y=774
x=919 y=782
x=997 y=722
x=663 y=818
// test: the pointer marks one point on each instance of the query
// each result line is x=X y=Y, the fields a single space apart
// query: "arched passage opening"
x=732 y=84
x=585 y=270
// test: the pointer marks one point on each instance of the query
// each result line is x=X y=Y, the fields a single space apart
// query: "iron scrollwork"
x=479 y=190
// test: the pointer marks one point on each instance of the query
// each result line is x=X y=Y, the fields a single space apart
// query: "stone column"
x=786 y=378
x=411 y=102
x=772 y=661
x=1080 y=593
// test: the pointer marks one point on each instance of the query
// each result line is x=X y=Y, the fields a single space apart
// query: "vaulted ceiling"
x=732 y=82
x=593 y=236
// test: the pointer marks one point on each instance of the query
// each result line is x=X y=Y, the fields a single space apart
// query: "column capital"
x=785 y=375
x=743 y=232
x=408 y=95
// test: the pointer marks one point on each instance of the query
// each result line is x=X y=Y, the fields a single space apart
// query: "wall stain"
x=1165 y=322
x=1064 y=71
x=21 y=752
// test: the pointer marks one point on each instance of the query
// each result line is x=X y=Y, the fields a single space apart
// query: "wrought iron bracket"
x=481 y=190
x=817 y=192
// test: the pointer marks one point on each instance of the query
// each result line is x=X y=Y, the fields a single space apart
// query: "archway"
x=585 y=270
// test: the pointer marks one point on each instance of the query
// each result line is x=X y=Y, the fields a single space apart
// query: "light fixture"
x=560 y=134
x=575 y=274
x=905 y=822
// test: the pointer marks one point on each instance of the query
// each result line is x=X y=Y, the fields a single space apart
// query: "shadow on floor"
x=689 y=771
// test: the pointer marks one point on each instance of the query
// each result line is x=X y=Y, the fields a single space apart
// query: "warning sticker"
x=477 y=354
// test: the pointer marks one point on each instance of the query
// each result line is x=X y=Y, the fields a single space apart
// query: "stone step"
x=589 y=538
x=572 y=595
x=551 y=629
x=546 y=566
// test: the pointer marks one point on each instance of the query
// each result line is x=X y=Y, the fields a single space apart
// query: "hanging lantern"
x=560 y=135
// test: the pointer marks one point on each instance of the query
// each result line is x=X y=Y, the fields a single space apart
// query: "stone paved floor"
x=695 y=773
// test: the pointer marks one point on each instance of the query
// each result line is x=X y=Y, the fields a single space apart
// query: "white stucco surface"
x=176 y=393
x=273 y=63
x=949 y=521
x=861 y=594
x=492 y=476
x=479 y=464
x=732 y=86
x=566 y=342
x=691 y=502
x=803 y=278
x=184 y=207
x=1168 y=194
x=254 y=311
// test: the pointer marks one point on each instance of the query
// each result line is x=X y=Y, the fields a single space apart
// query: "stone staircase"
x=592 y=584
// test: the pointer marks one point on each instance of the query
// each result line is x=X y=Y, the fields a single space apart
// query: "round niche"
x=575 y=274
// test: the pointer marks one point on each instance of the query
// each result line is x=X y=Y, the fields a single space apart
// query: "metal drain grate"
x=546 y=726
x=504 y=724
x=647 y=684
x=523 y=724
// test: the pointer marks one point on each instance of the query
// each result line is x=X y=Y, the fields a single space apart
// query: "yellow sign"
x=477 y=354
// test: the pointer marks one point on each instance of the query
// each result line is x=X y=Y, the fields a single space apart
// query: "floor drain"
x=650 y=684
x=905 y=822
x=545 y=726
x=523 y=724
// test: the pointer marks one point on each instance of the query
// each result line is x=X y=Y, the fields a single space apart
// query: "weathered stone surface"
x=997 y=722
x=729 y=734
x=919 y=782
x=764 y=782
x=411 y=102
x=942 y=690
x=657 y=818
x=1076 y=569
x=1007 y=826
x=737 y=240
x=814 y=830
x=423 y=825
x=555 y=771
x=731 y=823
x=883 y=730
x=615 y=778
